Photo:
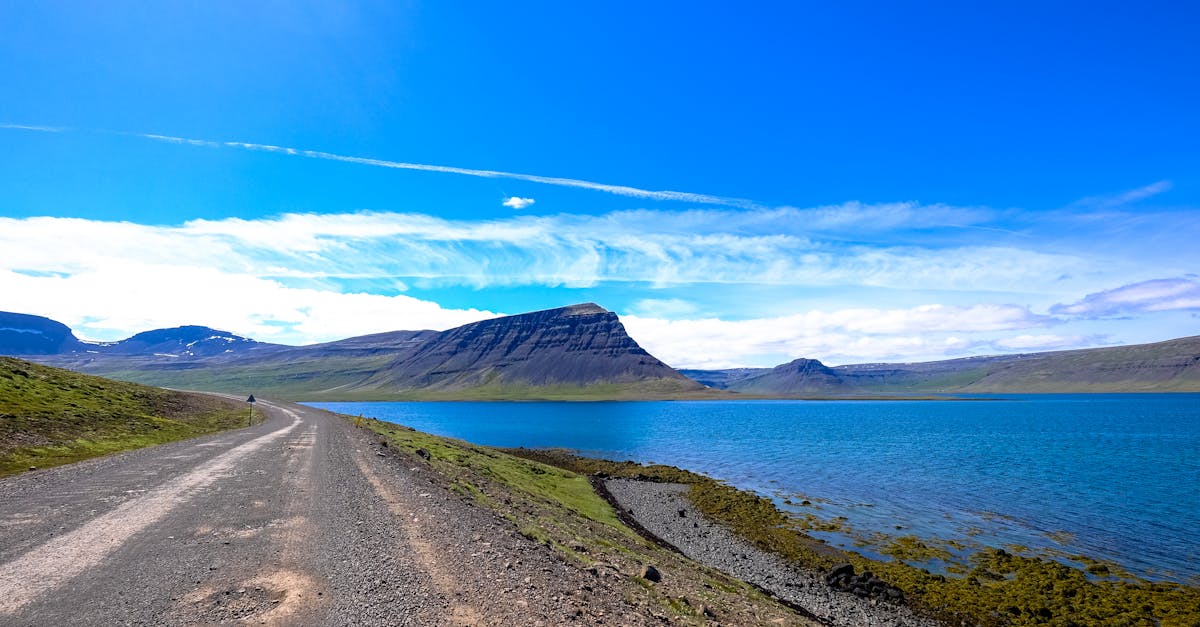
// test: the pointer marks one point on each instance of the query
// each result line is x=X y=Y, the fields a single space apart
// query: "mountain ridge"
x=1165 y=366
x=577 y=351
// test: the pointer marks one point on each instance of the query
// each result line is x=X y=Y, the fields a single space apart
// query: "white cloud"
x=516 y=202
x=663 y=308
x=660 y=248
x=115 y=299
x=1044 y=342
x=841 y=336
x=1143 y=297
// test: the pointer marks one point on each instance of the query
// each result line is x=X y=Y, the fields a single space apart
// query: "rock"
x=705 y=611
x=838 y=573
x=683 y=513
x=422 y=453
x=383 y=443
x=650 y=573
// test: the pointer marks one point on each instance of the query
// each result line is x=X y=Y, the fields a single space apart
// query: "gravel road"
x=297 y=520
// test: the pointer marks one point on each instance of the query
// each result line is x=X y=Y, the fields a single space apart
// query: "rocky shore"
x=664 y=510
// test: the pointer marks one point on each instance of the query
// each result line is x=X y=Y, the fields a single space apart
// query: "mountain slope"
x=1169 y=366
x=580 y=351
x=186 y=341
x=802 y=376
x=580 y=345
x=23 y=334
x=50 y=416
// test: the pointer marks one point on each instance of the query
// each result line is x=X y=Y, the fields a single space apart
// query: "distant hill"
x=188 y=341
x=23 y=334
x=722 y=379
x=1170 y=366
x=802 y=376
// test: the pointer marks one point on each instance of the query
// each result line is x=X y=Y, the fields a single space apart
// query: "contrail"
x=620 y=190
x=30 y=127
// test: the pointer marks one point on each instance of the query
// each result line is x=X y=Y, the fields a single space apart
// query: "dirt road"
x=297 y=520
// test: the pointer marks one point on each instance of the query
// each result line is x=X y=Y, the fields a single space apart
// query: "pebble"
x=657 y=507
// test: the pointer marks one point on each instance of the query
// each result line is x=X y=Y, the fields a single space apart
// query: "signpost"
x=251 y=401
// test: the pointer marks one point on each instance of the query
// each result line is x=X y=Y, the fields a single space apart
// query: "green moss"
x=557 y=507
x=50 y=416
x=996 y=587
x=912 y=549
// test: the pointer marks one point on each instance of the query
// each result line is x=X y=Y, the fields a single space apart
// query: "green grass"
x=50 y=416
x=996 y=588
x=557 y=507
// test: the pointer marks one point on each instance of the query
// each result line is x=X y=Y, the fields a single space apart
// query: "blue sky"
x=848 y=181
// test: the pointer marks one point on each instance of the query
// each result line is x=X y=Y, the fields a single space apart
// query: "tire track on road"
x=57 y=561
x=461 y=613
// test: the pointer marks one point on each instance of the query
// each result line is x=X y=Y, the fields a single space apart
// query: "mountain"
x=581 y=351
x=187 y=341
x=580 y=345
x=802 y=376
x=23 y=334
x=1170 y=366
x=722 y=379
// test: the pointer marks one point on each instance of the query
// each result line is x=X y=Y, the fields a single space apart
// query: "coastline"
x=995 y=588
x=664 y=511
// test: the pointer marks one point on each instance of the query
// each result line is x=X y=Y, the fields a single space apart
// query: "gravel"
x=658 y=507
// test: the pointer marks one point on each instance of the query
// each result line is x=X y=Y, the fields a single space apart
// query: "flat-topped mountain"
x=580 y=345
x=581 y=351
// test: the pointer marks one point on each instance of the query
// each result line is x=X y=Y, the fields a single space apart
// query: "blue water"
x=1119 y=474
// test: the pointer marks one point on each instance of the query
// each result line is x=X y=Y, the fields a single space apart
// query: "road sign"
x=251 y=399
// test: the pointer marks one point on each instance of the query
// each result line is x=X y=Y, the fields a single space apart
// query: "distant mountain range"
x=1170 y=366
x=576 y=352
x=581 y=351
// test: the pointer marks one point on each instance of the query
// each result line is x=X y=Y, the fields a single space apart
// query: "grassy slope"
x=50 y=416
x=335 y=379
x=998 y=589
x=559 y=508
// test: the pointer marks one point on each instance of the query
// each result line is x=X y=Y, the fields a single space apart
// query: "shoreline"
x=664 y=515
x=994 y=587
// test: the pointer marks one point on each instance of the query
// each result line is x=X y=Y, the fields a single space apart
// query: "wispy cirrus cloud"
x=1146 y=296
x=620 y=190
x=770 y=247
x=34 y=127
x=1118 y=199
